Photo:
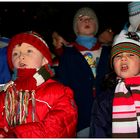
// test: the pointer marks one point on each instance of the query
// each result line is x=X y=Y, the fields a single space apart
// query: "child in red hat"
x=34 y=105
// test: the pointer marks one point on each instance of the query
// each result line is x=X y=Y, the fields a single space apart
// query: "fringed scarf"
x=126 y=108
x=22 y=91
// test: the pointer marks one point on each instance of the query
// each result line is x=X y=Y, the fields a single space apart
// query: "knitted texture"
x=85 y=11
x=31 y=38
x=134 y=15
x=21 y=91
x=16 y=105
x=126 y=42
x=126 y=112
x=134 y=8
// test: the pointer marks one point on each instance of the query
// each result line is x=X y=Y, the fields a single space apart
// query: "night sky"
x=45 y=17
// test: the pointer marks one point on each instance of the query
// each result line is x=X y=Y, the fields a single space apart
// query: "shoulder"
x=71 y=54
x=102 y=107
x=70 y=49
x=107 y=94
x=105 y=99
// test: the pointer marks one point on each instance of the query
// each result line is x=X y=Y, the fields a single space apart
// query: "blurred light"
x=35 y=17
x=6 y=10
x=23 y=10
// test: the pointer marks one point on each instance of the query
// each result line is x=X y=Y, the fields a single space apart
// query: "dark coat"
x=74 y=71
x=101 y=118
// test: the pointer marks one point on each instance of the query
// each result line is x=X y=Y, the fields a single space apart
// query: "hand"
x=58 y=41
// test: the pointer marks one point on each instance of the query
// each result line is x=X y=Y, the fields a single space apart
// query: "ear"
x=44 y=61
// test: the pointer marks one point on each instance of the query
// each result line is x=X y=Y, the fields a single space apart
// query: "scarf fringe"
x=16 y=101
x=16 y=106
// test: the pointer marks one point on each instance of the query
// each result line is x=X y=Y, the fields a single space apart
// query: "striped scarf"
x=126 y=108
x=20 y=92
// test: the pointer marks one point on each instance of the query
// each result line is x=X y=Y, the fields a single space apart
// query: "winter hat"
x=85 y=11
x=134 y=15
x=31 y=38
x=126 y=42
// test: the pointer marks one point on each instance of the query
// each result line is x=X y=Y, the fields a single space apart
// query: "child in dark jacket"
x=116 y=112
x=83 y=65
x=34 y=105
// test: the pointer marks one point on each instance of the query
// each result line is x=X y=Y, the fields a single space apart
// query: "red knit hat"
x=31 y=38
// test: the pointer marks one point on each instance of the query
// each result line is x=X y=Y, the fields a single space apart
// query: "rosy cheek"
x=15 y=62
x=114 y=62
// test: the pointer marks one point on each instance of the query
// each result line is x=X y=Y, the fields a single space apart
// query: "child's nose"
x=124 y=58
x=87 y=20
x=22 y=55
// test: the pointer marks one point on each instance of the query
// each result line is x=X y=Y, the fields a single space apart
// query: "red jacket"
x=55 y=112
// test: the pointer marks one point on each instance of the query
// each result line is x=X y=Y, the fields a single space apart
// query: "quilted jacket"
x=55 y=112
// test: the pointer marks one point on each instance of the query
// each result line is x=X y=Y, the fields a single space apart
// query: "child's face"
x=27 y=56
x=106 y=36
x=126 y=65
x=86 y=26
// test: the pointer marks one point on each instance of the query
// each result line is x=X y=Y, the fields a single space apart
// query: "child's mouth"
x=22 y=65
x=124 y=67
x=87 y=26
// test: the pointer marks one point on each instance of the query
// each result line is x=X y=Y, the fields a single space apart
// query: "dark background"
x=45 y=17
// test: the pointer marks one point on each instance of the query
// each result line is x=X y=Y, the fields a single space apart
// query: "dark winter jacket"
x=101 y=118
x=75 y=72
